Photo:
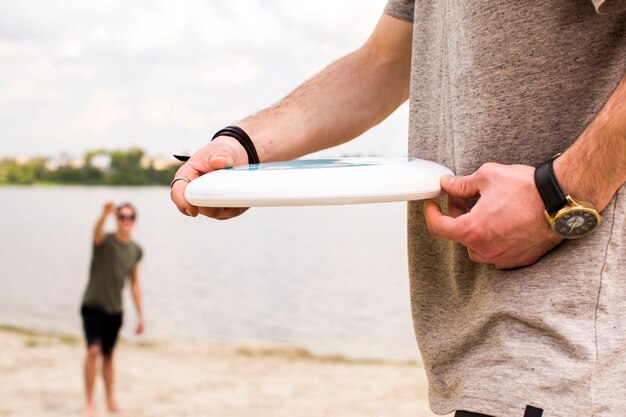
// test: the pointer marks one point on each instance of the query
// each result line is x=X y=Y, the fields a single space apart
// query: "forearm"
x=351 y=95
x=344 y=100
x=98 y=230
x=137 y=297
x=594 y=167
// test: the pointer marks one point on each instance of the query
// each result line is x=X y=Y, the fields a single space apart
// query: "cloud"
x=41 y=70
x=229 y=71
x=338 y=21
x=151 y=27
x=159 y=112
x=227 y=115
x=91 y=71
x=76 y=71
x=22 y=89
x=224 y=71
x=102 y=111
x=10 y=47
x=71 y=49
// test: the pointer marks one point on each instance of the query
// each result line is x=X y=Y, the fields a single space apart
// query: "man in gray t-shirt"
x=511 y=319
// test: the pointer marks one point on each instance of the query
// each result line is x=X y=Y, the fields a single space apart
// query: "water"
x=330 y=279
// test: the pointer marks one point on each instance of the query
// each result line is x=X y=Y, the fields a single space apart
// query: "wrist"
x=243 y=139
x=569 y=216
x=237 y=148
x=276 y=140
x=257 y=137
x=573 y=177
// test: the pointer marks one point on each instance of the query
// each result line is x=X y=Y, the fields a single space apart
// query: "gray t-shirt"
x=111 y=264
x=516 y=82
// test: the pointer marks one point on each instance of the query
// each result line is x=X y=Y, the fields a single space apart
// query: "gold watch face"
x=575 y=222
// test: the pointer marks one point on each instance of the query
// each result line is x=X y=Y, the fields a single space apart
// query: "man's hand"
x=109 y=208
x=506 y=227
x=140 y=326
x=98 y=231
x=222 y=152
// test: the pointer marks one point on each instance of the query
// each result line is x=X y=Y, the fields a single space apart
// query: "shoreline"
x=246 y=349
x=41 y=375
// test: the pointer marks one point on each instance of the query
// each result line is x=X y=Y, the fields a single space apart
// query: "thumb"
x=227 y=153
x=464 y=187
x=221 y=159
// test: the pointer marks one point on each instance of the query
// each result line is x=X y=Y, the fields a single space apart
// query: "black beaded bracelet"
x=243 y=138
x=240 y=136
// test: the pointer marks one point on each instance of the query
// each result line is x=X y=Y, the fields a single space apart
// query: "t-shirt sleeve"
x=105 y=241
x=609 y=6
x=405 y=9
x=139 y=254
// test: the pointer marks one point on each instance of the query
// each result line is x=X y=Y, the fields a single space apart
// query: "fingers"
x=457 y=224
x=221 y=162
x=476 y=257
x=464 y=187
x=222 y=213
x=442 y=226
x=109 y=207
x=498 y=230
x=177 y=193
x=223 y=152
x=226 y=152
x=480 y=259
x=456 y=206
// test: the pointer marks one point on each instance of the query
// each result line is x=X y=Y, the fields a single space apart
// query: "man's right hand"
x=98 y=231
x=109 y=208
x=222 y=152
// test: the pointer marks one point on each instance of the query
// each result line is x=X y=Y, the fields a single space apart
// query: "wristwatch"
x=568 y=218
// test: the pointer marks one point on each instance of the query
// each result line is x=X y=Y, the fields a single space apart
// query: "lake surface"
x=330 y=279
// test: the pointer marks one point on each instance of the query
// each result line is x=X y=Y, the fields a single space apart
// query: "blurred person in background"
x=115 y=259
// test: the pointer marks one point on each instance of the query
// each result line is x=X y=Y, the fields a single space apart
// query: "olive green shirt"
x=111 y=264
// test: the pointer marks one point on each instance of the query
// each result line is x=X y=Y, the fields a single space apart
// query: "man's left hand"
x=140 y=326
x=506 y=227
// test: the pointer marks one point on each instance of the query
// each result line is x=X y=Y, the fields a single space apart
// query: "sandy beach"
x=40 y=375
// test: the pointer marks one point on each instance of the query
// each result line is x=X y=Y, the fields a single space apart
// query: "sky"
x=78 y=75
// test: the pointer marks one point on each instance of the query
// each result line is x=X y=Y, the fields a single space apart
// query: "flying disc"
x=318 y=182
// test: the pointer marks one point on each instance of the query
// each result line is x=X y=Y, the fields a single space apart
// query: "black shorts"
x=101 y=328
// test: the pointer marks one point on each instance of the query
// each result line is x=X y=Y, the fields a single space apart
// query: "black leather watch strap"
x=548 y=186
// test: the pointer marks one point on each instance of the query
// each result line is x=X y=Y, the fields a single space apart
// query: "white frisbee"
x=309 y=182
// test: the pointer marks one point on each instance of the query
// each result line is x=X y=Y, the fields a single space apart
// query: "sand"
x=40 y=375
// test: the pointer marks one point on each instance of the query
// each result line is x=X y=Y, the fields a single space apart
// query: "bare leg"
x=109 y=383
x=91 y=360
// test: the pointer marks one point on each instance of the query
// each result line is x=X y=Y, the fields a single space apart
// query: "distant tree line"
x=124 y=167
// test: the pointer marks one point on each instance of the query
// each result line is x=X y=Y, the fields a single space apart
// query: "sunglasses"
x=123 y=218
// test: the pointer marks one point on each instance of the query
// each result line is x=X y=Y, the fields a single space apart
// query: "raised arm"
x=348 y=97
x=98 y=231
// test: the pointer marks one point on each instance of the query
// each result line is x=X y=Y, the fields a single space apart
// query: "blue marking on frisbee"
x=307 y=164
